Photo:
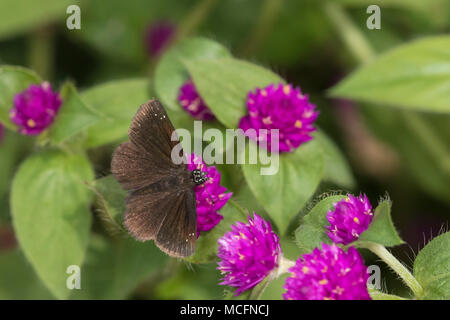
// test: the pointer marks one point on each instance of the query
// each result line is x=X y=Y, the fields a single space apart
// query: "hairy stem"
x=239 y=208
x=284 y=266
x=395 y=265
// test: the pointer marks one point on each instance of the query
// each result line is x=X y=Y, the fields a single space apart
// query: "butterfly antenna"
x=210 y=196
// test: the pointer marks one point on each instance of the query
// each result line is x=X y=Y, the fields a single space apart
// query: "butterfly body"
x=161 y=202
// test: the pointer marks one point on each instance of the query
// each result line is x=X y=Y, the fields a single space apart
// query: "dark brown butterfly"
x=161 y=201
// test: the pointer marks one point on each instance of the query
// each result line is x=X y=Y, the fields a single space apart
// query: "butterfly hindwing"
x=178 y=232
x=166 y=216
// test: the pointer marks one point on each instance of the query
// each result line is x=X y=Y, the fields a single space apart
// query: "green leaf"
x=12 y=81
x=18 y=281
x=112 y=270
x=381 y=230
x=22 y=15
x=337 y=169
x=224 y=84
x=51 y=216
x=244 y=197
x=414 y=76
x=118 y=30
x=73 y=117
x=378 y=295
x=13 y=149
x=431 y=5
x=118 y=101
x=171 y=74
x=206 y=250
x=284 y=193
x=422 y=142
x=432 y=268
x=312 y=233
x=195 y=282
x=111 y=202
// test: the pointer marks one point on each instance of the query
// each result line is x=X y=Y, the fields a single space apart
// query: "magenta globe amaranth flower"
x=280 y=107
x=328 y=274
x=35 y=108
x=210 y=197
x=158 y=35
x=191 y=101
x=248 y=253
x=349 y=218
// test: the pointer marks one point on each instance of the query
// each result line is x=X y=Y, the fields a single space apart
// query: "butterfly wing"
x=167 y=217
x=161 y=203
x=146 y=158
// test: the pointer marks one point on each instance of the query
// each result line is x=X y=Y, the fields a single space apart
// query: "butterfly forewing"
x=145 y=159
x=151 y=131
x=161 y=203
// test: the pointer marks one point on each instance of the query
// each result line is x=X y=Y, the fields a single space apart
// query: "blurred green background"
x=302 y=40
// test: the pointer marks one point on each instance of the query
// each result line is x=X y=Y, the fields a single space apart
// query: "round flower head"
x=280 y=107
x=349 y=218
x=158 y=36
x=191 y=101
x=210 y=197
x=328 y=274
x=35 y=108
x=248 y=253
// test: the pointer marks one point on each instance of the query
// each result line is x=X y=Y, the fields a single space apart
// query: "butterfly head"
x=199 y=177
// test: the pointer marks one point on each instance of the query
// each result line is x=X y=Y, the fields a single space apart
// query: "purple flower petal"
x=210 y=197
x=248 y=253
x=280 y=107
x=349 y=218
x=328 y=274
x=35 y=108
x=191 y=102
x=158 y=36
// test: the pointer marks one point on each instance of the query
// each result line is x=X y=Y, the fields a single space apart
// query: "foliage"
x=66 y=209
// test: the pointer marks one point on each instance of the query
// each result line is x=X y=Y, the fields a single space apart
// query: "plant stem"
x=267 y=17
x=379 y=295
x=239 y=208
x=364 y=53
x=257 y=291
x=436 y=147
x=188 y=26
x=40 y=53
x=395 y=265
x=350 y=34
x=194 y=18
x=284 y=266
